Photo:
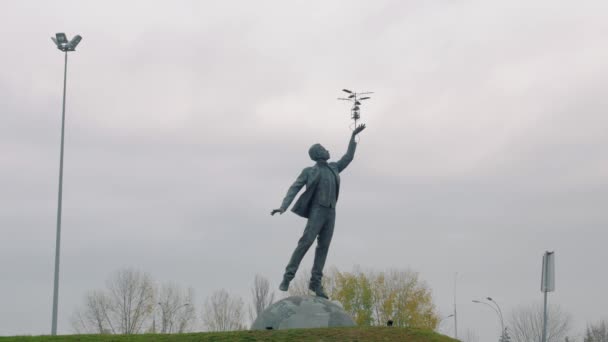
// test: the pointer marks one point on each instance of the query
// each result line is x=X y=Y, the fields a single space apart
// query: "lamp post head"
x=490 y=299
x=74 y=42
x=61 y=38
x=62 y=43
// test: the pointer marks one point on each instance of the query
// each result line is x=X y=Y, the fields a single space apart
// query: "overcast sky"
x=188 y=120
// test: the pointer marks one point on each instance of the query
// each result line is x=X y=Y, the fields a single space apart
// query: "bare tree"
x=131 y=294
x=526 y=324
x=177 y=312
x=93 y=318
x=223 y=312
x=597 y=332
x=123 y=308
x=299 y=285
x=470 y=336
x=261 y=296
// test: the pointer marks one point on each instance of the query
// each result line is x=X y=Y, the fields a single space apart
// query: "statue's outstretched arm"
x=350 y=153
x=292 y=192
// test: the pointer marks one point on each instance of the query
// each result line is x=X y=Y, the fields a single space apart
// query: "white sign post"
x=547 y=284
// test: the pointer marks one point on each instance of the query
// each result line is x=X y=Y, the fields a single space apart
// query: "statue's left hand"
x=280 y=211
x=358 y=129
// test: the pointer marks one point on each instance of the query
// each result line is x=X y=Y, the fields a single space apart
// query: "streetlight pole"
x=502 y=322
x=62 y=44
x=497 y=314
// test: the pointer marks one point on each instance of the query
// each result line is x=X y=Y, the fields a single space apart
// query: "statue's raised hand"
x=358 y=129
x=280 y=211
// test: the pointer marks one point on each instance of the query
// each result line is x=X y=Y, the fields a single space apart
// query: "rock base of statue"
x=302 y=312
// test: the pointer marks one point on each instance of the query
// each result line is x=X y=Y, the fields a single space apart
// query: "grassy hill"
x=358 y=334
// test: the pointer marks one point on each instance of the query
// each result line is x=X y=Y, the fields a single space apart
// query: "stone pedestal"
x=302 y=312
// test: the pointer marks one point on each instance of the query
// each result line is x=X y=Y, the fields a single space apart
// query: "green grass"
x=324 y=334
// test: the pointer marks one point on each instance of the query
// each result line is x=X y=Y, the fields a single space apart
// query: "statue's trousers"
x=320 y=226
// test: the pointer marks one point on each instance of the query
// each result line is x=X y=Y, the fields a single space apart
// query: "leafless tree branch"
x=223 y=312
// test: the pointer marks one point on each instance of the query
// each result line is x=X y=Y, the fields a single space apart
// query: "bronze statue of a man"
x=318 y=204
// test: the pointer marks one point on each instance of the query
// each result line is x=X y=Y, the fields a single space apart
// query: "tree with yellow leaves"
x=374 y=298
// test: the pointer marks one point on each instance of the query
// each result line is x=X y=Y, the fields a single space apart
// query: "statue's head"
x=317 y=152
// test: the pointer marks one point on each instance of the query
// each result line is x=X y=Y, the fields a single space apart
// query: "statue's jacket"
x=310 y=177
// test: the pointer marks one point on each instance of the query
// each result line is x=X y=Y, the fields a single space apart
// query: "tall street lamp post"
x=498 y=313
x=62 y=43
x=502 y=322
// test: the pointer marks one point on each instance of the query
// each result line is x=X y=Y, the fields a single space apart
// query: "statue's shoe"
x=319 y=291
x=284 y=286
